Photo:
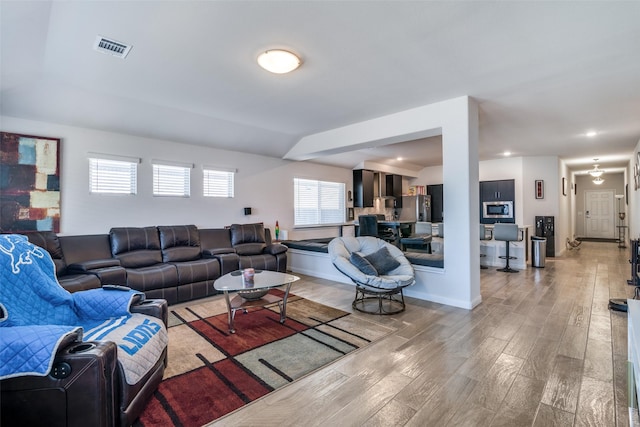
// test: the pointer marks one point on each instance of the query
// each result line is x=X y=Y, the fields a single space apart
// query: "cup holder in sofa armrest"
x=82 y=347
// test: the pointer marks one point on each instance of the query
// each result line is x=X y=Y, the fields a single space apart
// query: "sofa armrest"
x=275 y=249
x=211 y=253
x=157 y=308
x=83 y=267
x=83 y=375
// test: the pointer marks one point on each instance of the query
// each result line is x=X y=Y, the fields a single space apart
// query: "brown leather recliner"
x=86 y=386
x=76 y=383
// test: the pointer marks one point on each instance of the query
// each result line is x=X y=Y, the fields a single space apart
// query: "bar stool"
x=420 y=240
x=506 y=233
x=483 y=236
x=368 y=225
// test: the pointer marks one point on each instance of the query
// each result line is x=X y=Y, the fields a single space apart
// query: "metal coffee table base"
x=238 y=303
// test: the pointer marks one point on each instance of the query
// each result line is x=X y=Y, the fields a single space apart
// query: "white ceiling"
x=543 y=72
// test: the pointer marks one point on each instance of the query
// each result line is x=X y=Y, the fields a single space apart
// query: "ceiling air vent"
x=111 y=47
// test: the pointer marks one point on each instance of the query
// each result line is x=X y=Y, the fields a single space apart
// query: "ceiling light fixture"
x=279 y=61
x=596 y=172
x=591 y=133
x=507 y=153
x=598 y=181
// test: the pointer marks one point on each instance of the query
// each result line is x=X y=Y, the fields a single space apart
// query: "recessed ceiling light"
x=591 y=133
x=399 y=159
x=506 y=153
x=279 y=61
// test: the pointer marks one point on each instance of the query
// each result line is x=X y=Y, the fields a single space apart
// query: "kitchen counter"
x=396 y=226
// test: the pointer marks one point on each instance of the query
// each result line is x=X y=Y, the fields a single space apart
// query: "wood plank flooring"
x=542 y=349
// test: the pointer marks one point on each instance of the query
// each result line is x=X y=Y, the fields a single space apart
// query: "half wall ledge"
x=430 y=281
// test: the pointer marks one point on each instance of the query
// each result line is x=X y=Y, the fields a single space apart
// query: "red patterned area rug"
x=212 y=372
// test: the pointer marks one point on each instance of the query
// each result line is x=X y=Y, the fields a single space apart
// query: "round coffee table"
x=256 y=293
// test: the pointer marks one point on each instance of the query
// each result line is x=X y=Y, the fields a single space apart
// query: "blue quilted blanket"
x=38 y=313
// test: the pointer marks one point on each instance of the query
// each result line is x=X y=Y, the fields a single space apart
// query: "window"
x=318 y=202
x=171 y=180
x=108 y=176
x=218 y=183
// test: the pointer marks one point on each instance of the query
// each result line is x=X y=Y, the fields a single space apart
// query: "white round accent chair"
x=379 y=270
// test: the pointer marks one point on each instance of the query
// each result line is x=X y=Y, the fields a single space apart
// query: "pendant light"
x=596 y=172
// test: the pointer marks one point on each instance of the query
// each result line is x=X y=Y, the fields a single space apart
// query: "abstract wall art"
x=29 y=183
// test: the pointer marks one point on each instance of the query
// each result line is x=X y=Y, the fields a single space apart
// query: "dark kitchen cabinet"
x=437 y=202
x=501 y=190
x=394 y=188
x=362 y=188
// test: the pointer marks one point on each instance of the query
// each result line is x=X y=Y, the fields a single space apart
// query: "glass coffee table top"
x=255 y=293
x=233 y=281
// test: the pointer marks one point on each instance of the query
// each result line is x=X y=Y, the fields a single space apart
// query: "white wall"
x=634 y=198
x=457 y=121
x=263 y=183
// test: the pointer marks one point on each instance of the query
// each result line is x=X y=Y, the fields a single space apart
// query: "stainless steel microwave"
x=498 y=210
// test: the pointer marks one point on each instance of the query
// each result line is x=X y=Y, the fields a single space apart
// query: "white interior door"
x=599 y=214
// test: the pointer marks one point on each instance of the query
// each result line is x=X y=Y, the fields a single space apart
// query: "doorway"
x=599 y=214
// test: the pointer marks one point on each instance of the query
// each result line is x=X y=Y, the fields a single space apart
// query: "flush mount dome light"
x=279 y=61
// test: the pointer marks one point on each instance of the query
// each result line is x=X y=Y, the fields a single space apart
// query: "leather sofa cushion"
x=212 y=238
x=136 y=247
x=49 y=241
x=260 y=262
x=181 y=254
x=94 y=264
x=247 y=233
x=79 y=282
x=86 y=248
x=153 y=277
x=139 y=259
x=127 y=239
x=179 y=243
x=249 y=248
x=217 y=251
x=198 y=271
x=276 y=249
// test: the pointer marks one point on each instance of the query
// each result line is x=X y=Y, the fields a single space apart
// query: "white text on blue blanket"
x=140 y=335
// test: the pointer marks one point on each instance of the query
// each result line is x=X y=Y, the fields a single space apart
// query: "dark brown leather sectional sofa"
x=176 y=263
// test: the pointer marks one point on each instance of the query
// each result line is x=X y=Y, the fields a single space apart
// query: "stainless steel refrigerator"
x=416 y=208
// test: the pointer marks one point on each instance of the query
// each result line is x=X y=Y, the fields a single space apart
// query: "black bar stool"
x=506 y=233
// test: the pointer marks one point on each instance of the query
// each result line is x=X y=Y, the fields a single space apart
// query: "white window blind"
x=318 y=202
x=171 y=180
x=217 y=183
x=108 y=176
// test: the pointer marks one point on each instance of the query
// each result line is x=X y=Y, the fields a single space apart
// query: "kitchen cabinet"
x=394 y=188
x=501 y=190
x=437 y=201
x=363 y=188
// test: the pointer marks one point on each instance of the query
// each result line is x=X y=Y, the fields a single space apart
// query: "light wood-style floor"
x=542 y=349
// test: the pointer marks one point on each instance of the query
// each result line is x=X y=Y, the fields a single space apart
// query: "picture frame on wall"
x=539 y=189
x=30 y=183
x=636 y=179
x=564 y=186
